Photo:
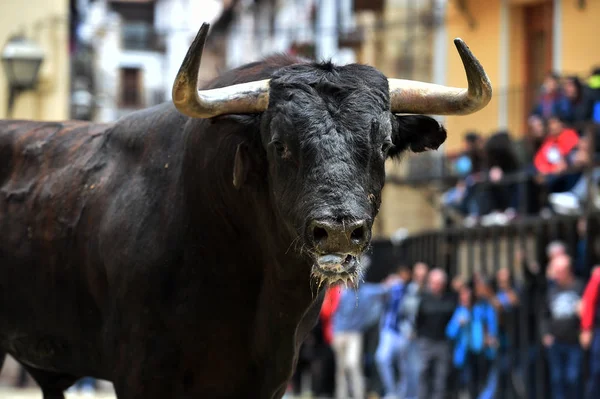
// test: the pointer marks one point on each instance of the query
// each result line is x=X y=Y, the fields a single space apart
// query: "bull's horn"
x=413 y=97
x=244 y=98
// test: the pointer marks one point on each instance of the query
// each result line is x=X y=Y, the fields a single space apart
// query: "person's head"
x=465 y=296
x=482 y=286
x=457 y=283
x=594 y=79
x=537 y=127
x=555 y=248
x=555 y=125
x=551 y=83
x=503 y=278
x=420 y=272
x=472 y=140
x=572 y=88
x=437 y=281
x=583 y=144
x=561 y=270
x=403 y=272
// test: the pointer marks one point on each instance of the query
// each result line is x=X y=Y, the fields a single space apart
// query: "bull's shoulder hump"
x=30 y=149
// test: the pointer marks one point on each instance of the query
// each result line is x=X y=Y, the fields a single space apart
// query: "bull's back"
x=44 y=173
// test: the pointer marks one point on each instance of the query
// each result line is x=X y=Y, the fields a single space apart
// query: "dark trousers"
x=593 y=384
x=435 y=366
x=323 y=372
x=565 y=363
x=474 y=374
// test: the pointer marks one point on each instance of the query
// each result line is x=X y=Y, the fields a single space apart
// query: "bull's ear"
x=417 y=133
x=241 y=165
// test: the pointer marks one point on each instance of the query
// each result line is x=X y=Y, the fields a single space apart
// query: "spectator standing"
x=552 y=101
x=560 y=328
x=590 y=332
x=474 y=330
x=577 y=113
x=506 y=304
x=323 y=367
x=532 y=299
x=435 y=311
x=358 y=309
x=410 y=360
x=391 y=342
x=525 y=151
x=464 y=196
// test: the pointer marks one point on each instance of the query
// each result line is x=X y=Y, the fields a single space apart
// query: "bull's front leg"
x=279 y=333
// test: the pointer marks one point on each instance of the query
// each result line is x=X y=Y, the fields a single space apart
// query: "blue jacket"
x=360 y=309
x=470 y=337
x=391 y=315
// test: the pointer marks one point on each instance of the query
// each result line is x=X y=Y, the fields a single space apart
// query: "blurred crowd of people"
x=419 y=335
x=562 y=140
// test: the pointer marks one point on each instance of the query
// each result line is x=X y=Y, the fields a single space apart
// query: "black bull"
x=178 y=257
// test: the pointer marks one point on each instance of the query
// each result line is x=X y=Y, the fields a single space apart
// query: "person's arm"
x=547 y=338
x=492 y=323
x=454 y=326
x=419 y=316
x=589 y=301
x=396 y=294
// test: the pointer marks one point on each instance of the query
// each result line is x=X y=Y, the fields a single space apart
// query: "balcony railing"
x=142 y=37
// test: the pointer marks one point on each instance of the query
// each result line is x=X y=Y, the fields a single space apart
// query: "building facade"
x=138 y=47
x=518 y=42
x=46 y=22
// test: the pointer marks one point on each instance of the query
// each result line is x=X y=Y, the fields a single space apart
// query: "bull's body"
x=186 y=256
x=127 y=254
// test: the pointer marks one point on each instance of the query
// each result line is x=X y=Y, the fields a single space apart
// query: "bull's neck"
x=242 y=217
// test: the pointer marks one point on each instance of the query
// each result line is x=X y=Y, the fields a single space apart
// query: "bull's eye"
x=279 y=147
x=386 y=146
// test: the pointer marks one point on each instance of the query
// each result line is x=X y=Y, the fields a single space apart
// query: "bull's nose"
x=346 y=237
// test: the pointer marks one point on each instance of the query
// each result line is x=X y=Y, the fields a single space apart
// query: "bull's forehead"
x=321 y=99
x=333 y=82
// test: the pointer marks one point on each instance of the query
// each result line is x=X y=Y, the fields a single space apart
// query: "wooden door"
x=538 y=49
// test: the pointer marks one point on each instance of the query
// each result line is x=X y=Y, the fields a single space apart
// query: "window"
x=131 y=96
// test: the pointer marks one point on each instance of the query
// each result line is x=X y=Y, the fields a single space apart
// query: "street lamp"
x=22 y=59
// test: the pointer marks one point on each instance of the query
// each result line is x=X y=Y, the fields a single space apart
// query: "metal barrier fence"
x=466 y=251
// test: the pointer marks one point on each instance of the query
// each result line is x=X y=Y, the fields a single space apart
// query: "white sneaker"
x=565 y=203
x=494 y=218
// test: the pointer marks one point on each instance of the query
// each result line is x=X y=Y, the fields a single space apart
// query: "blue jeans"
x=565 y=370
x=580 y=188
x=388 y=354
x=409 y=370
x=593 y=384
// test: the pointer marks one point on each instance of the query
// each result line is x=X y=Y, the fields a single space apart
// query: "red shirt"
x=589 y=301
x=555 y=149
x=330 y=304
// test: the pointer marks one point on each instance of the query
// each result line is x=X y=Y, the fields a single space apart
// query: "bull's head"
x=327 y=131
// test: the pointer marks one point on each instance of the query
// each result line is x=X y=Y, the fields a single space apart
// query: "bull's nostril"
x=358 y=235
x=319 y=234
